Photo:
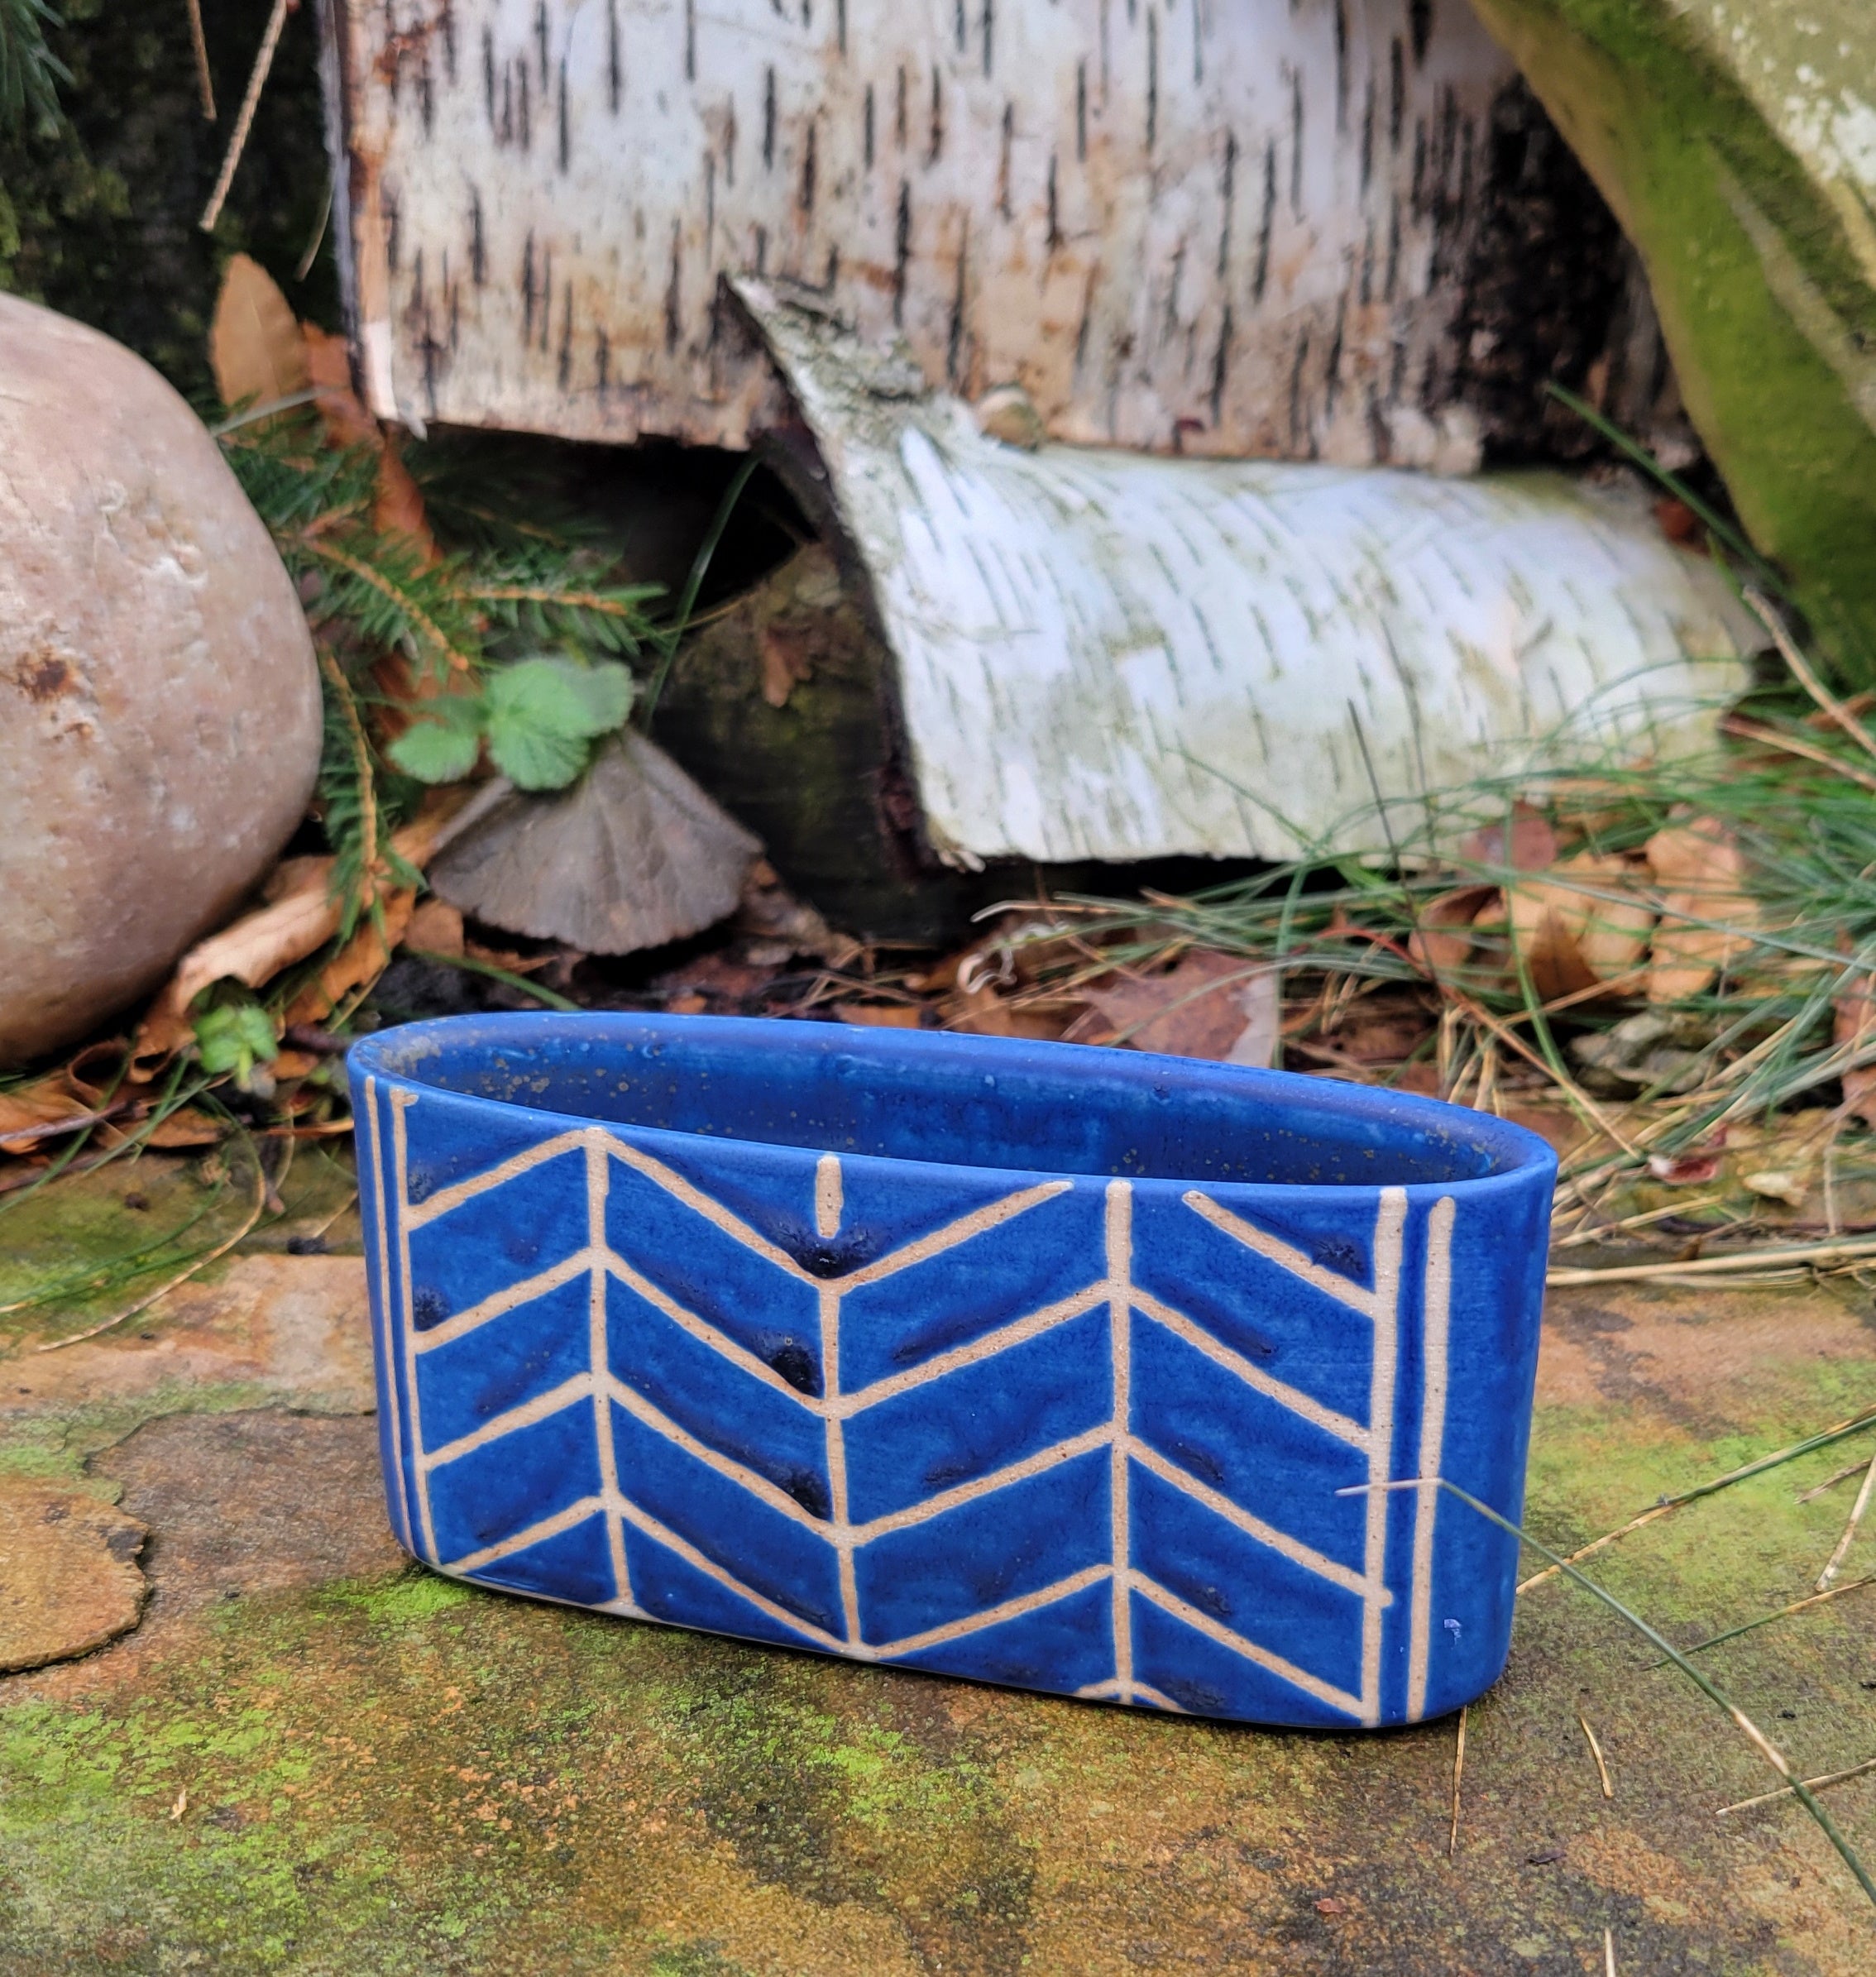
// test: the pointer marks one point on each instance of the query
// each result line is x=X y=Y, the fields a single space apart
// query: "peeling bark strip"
x=1168 y=221
x=1099 y=656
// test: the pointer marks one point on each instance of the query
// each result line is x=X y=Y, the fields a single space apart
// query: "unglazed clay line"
x=416 y=1213
x=1391 y=1228
x=751 y=1481
x=504 y=1301
x=662 y=1533
x=1119 y=1233
x=599 y=1361
x=535 y=1534
x=1139 y=1691
x=927 y=1508
x=1018 y=1332
x=707 y=1334
x=399 y=1497
x=542 y=1407
x=401 y=1103
x=1292 y=1398
x=828 y=1189
x=992 y=1215
x=1436 y=1325
x=1202 y=1623
x=713 y=1211
x=994 y=1616
x=1371 y=1303
x=836 y=1446
x=1293 y=1549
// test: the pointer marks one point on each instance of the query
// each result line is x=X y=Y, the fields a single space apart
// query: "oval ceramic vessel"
x=1029 y=1362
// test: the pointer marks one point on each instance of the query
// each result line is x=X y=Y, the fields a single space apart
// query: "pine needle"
x=1458 y=1772
x=1849 y=1538
x=1811 y=1784
x=1765 y=1620
x=1854 y=1425
x=1596 y=1751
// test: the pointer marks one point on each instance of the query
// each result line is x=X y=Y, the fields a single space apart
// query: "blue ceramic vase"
x=1063 y=1367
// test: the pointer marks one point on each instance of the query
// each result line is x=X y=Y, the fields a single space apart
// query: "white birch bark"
x=1212 y=226
x=1105 y=656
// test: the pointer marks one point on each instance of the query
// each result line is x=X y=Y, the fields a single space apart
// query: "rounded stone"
x=159 y=719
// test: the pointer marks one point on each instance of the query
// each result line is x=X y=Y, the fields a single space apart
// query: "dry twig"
x=1811 y=1784
x=1849 y=1538
x=1706 y=1489
x=256 y=82
x=1458 y=1772
x=182 y=1276
x=1596 y=1751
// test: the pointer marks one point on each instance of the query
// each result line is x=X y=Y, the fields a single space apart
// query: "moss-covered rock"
x=1736 y=142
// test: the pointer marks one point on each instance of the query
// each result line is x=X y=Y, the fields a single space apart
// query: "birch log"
x=1737 y=140
x=1295 y=228
x=1097 y=655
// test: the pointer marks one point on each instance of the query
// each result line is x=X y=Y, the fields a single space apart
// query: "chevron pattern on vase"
x=951 y=1422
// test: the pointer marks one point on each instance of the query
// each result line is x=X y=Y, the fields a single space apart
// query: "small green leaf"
x=231 y=1036
x=535 y=758
x=442 y=748
x=542 y=712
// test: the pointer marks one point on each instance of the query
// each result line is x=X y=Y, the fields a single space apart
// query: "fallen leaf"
x=1219 y=1006
x=1777 y=1185
x=981 y=1011
x=1855 y=1023
x=255 y=346
x=1686 y=1169
x=328 y=364
x=1571 y=939
x=1332 y=1904
x=255 y=948
x=1526 y=841
x=39 y=1111
x=435 y=928
x=1679 y=523
x=362 y=959
x=1704 y=872
x=1443 y=941
x=186 y=1127
x=787 y=659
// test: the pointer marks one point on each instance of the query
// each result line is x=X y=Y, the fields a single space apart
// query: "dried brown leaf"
x=362 y=959
x=1526 y=842
x=1219 y=1006
x=32 y=1113
x=255 y=345
x=1704 y=872
x=1571 y=941
x=1443 y=941
x=1855 y=1021
x=435 y=928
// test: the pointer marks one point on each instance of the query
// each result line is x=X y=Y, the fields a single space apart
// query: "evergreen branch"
x=366 y=787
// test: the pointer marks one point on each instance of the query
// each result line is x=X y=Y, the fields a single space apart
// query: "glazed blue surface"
x=1028 y=1362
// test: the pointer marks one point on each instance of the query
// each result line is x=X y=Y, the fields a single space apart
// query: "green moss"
x=1692 y=169
x=407 y=1774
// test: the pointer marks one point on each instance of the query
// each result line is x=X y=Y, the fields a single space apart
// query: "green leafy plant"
x=235 y=1035
x=30 y=73
x=538 y=718
x=517 y=643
